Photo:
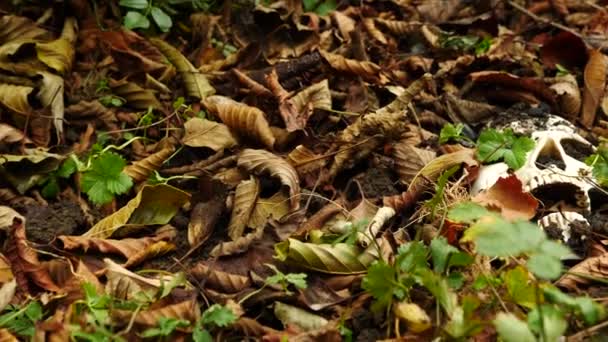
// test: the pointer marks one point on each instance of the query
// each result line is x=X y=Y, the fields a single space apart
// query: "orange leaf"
x=595 y=81
x=507 y=197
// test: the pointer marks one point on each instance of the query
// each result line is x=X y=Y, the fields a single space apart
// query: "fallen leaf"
x=141 y=170
x=296 y=110
x=220 y=280
x=187 y=310
x=7 y=215
x=9 y=135
x=14 y=27
x=136 y=96
x=244 y=120
x=7 y=292
x=51 y=96
x=410 y=160
x=595 y=82
x=275 y=207
x=15 y=97
x=260 y=162
x=245 y=198
x=59 y=54
x=154 y=204
x=206 y=133
x=203 y=219
x=507 y=197
x=591 y=267
x=304 y=320
x=304 y=160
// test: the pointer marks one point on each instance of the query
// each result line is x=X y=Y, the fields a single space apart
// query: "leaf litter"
x=302 y=171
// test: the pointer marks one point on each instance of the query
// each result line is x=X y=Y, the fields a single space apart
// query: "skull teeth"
x=559 y=226
x=578 y=194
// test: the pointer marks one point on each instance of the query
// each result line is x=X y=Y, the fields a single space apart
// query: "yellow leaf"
x=206 y=133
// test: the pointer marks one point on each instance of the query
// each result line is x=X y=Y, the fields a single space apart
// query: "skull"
x=554 y=171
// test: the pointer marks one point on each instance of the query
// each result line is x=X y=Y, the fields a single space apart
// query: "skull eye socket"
x=576 y=149
x=549 y=156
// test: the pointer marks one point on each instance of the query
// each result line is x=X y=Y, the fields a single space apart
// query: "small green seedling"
x=296 y=279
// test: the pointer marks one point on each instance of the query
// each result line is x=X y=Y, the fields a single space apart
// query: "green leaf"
x=561 y=70
x=138 y=4
x=450 y=132
x=553 y=322
x=467 y=212
x=201 y=335
x=412 y=256
x=455 y=280
x=51 y=188
x=22 y=321
x=380 y=282
x=599 y=162
x=483 y=46
x=545 y=266
x=440 y=253
x=162 y=20
x=134 y=20
x=440 y=188
x=439 y=288
x=497 y=237
x=166 y=326
x=511 y=329
x=493 y=145
x=105 y=178
x=67 y=168
x=325 y=7
x=520 y=288
x=218 y=315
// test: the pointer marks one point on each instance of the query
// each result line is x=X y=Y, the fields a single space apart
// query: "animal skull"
x=554 y=170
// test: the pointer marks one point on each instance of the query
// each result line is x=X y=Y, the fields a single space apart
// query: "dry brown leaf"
x=296 y=110
x=237 y=246
x=24 y=261
x=245 y=197
x=595 y=82
x=14 y=97
x=14 y=27
x=507 y=197
x=275 y=206
x=135 y=250
x=305 y=160
x=7 y=292
x=368 y=70
x=400 y=28
x=344 y=23
x=141 y=170
x=207 y=133
x=370 y=27
x=187 y=310
x=592 y=267
x=9 y=134
x=124 y=284
x=409 y=160
x=7 y=215
x=246 y=121
x=260 y=162
x=6 y=274
x=73 y=286
x=569 y=95
x=219 y=280
x=6 y=336
x=203 y=218
x=533 y=85
x=83 y=112
x=131 y=52
x=136 y=96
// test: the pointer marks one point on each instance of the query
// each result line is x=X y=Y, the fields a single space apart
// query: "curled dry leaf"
x=124 y=284
x=569 y=95
x=536 y=86
x=594 y=267
x=237 y=246
x=246 y=121
x=410 y=160
x=507 y=197
x=219 y=280
x=260 y=162
x=595 y=82
x=187 y=310
x=51 y=96
x=304 y=320
x=245 y=198
x=7 y=215
x=141 y=170
x=275 y=207
x=7 y=292
x=134 y=250
x=14 y=27
x=83 y=112
x=207 y=133
x=14 y=97
x=59 y=54
x=470 y=111
x=131 y=50
x=9 y=134
x=296 y=110
x=400 y=28
x=24 y=261
x=345 y=24
x=196 y=83
x=368 y=70
x=203 y=218
x=154 y=204
x=136 y=96
x=304 y=160
x=338 y=258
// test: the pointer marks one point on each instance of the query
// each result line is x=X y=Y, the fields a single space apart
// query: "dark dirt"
x=550 y=194
x=576 y=149
x=577 y=241
x=59 y=218
x=544 y=161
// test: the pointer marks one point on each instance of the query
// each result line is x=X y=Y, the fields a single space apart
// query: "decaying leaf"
x=51 y=96
x=24 y=261
x=136 y=96
x=154 y=204
x=135 y=250
x=59 y=54
x=14 y=27
x=595 y=82
x=507 y=197
x=207 y=133
x=275 y=207
x=26 y=170
x=124 y=284
x=414 y=316
x=7 y=215
x=569 y=95
x=368 y=70
x=140 y=170
x=14 y=97
x=246 y=121
x=187 y=310
x=7 y=292
x=304 y=160
x=239 y=245
x=591 y=267
x=86 y=111
x=196 y=83
x=9 y=134
x=203 y=218
x=296 y=110
x=260 y=162
x=6 y=336
x=304 y=320
x=410 y=160
x=339 y=258
x=219 y=280
x=245 y=198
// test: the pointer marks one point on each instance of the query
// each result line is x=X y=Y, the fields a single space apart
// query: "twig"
x=544 y=20
x=587 y=332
